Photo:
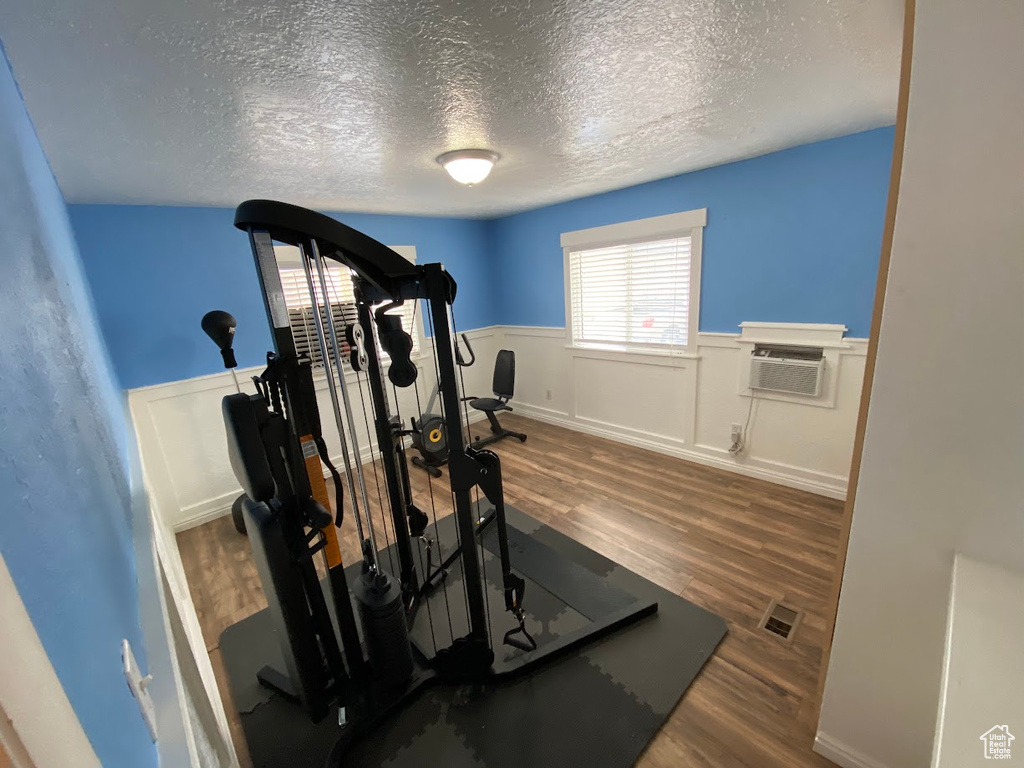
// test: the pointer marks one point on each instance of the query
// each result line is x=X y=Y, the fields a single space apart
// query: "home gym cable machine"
x=418 y=620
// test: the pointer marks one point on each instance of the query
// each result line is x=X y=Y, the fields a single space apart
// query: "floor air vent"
x=781 y=620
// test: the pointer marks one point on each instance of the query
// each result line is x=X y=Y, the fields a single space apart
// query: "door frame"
x=895 y=175
x=38 y=726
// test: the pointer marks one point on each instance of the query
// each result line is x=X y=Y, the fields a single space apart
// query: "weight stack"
x=384 y=629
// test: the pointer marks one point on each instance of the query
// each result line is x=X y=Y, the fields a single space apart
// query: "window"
x=300 y=309
x=635 y=285
x=342 y=301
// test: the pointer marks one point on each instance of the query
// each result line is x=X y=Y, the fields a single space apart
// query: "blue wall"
x=155 y=271
x=65 y=530
x=793 y=236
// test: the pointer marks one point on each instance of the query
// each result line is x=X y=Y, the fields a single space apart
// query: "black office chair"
x=503 y=386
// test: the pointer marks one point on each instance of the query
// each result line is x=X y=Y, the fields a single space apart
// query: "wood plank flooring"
x=721 y=540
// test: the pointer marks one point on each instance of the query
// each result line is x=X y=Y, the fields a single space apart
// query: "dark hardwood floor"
x=726 y=542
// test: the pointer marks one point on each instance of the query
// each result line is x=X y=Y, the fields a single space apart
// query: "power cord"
x=739 y=444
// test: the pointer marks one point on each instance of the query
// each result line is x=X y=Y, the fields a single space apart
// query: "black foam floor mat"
x=596 y=706
x=563 y=600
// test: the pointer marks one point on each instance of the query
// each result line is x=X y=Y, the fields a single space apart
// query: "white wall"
x=685 y=405
x=943 y=462
x=682 y=406
x=184 y=447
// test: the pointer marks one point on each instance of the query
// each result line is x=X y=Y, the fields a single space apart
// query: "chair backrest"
x=504 y=374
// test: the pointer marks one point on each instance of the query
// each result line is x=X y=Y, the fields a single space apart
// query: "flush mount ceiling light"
x=468 y=166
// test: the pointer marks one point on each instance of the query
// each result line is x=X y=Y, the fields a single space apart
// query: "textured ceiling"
x=345 y=105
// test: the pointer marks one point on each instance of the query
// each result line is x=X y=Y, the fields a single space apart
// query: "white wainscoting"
x=685 y=405
x=681 y=405
x=184 y=446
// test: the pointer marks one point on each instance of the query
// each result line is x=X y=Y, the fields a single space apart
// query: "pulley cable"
x=373 y=463
x=443 y=575
x=444 y=418
x=428 y=543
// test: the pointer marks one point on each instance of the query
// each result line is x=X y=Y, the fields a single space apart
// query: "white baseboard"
x=211 y=509
x=821 y=483
x=792 y=477
x=841 y=754
x=556 y=417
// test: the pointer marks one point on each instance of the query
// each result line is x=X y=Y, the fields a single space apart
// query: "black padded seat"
x=489 y=404
x=503 y=385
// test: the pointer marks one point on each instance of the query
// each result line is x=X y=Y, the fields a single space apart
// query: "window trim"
x=683 y=224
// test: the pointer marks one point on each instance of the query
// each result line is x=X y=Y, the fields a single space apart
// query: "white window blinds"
x=342 y=301
x=634 y=294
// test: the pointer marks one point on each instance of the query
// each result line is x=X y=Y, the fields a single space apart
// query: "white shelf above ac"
x=824 y=335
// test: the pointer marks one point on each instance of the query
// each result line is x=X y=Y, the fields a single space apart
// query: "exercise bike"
x=428 y=433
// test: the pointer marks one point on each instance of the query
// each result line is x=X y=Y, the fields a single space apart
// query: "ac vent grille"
x=795 y=371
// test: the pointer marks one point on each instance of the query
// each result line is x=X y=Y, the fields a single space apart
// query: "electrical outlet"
x=139 y=687
x=549 y=394
x=737 y=432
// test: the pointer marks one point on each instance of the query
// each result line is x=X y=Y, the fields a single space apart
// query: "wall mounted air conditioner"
x=787 y=368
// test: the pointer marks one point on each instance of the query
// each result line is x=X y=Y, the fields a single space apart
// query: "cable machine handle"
x=459 y=359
